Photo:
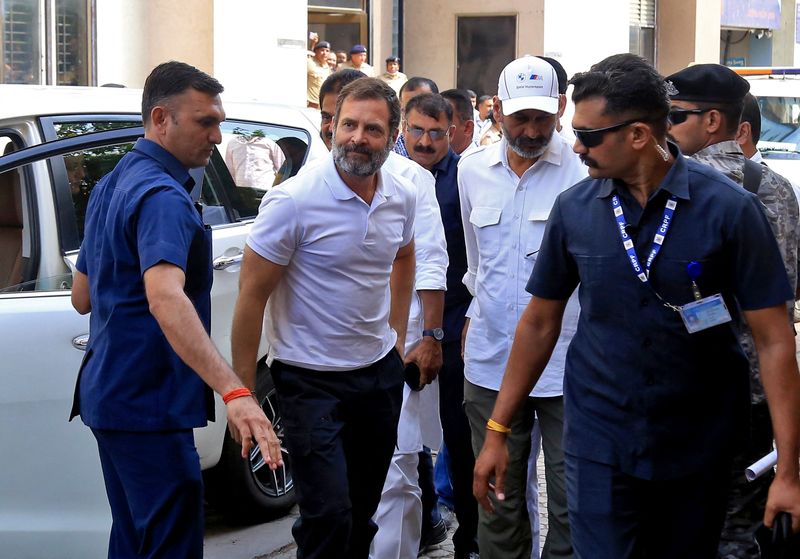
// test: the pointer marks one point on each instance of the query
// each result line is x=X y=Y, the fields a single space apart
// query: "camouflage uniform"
x=747 y=500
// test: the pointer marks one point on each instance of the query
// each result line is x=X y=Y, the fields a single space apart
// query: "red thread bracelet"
x=236 y=393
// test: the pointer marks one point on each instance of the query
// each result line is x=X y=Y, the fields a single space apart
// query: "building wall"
x=260 y=52
x=783 y=39
x=381 y=17
x=600 y=30
x=135 y=36
x=253 y=51
x=686 y=31
x=430 y=33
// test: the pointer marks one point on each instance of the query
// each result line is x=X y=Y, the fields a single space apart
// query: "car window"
x=780 y=126
x=258 y=157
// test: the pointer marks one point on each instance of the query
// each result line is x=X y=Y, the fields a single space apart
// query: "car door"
x=52 y=500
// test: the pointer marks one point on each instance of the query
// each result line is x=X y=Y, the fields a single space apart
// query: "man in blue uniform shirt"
x=144 y=270
x=667 y=251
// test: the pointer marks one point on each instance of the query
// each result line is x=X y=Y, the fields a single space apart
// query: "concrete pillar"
x=783 y=39
x=687 y=31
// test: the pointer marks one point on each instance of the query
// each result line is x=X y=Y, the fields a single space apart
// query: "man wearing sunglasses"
x=656 y=384
x=507 y=190
x=707 y=101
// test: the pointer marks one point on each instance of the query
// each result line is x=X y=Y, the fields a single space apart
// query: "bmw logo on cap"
x=520 y=77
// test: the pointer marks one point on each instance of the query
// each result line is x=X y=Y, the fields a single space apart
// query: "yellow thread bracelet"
x=493 y=425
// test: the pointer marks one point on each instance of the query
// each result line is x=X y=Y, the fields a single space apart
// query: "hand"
x=427 y=354
x=492 y=461
x=247 y=422
x=784 y=495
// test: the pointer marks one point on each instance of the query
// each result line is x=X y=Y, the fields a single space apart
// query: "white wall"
x=121 y=41
x=260 y=49
x=579 y=33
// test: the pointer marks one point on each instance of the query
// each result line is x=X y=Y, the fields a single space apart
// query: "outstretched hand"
x=249 y=426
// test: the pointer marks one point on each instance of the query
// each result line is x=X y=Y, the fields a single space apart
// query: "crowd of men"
x=617 y=292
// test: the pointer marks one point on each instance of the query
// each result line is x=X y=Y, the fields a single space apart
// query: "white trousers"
x=399 y=514
x=532 y=491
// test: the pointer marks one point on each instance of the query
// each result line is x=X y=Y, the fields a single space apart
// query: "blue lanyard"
x=658 y=240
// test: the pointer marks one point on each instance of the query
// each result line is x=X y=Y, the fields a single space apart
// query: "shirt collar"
x=444 y=163
x=173 y=167
x=676 y=181
x=728 y=147
x=341 y=191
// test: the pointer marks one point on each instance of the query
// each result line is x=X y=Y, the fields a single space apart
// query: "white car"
x=57 y=142
x=778 y=93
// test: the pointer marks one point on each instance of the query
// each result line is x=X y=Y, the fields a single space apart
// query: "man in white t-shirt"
x=323 y=251
x=507 y=190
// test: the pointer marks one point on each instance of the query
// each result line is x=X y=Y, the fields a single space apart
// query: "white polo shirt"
x=330 y=311
x=504 y=220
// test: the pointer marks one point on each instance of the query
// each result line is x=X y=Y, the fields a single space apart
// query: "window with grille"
x=642 y=29
x=56 y=33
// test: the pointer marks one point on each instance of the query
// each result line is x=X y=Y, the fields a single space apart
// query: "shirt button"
x=647 y=342
x=644 y=302
x=510 y=307
x=519 y=189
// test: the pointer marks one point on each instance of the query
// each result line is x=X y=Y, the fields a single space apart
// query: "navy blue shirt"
x=457 y=297
x=139 y=215
x=641 y=393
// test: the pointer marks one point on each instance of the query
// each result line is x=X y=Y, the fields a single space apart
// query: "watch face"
x=436 y=333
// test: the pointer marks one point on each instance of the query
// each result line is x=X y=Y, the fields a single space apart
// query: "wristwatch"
x=435 y=333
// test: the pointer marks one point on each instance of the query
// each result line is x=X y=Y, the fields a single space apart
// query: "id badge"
x=705 y=313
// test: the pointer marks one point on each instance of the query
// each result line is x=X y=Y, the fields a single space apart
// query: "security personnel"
x=668 y=253
x=706 y=105
x=393 y=76
x=144 y=271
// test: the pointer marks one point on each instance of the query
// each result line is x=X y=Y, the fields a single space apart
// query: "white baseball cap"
x=528 y=83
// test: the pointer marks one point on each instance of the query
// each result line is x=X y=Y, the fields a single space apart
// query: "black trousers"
x=458 y=438
x=341 y=430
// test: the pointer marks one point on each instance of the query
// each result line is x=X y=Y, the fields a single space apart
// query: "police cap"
x=712 y=83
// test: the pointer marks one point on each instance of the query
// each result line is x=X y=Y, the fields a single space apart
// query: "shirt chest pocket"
x=537 y=221
x=487 y=230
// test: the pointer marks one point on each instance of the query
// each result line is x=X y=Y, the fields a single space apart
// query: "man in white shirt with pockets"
x=507 y=190
x=324 y=250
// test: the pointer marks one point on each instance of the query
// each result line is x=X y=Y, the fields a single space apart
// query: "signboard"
x=751 y=14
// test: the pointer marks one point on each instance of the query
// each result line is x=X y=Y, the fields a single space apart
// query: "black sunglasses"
x=594 y=137
x=678 y=116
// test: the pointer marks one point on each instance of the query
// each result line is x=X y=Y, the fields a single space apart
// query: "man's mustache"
x=424 y=149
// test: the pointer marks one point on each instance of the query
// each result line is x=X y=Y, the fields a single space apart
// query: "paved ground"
x=273 y=540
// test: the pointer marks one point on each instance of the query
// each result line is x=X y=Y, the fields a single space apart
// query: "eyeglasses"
x=594 y=137
x=435 y=134
x=678 y=116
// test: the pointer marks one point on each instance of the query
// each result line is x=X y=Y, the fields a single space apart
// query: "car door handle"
x=227 y=261
x=80 y=342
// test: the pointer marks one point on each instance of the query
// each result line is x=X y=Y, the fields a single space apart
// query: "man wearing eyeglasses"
x=428 y=128
x=707 y=101
x=507 y=191
x=668 y=253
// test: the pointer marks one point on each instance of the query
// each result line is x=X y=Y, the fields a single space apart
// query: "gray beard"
x=522 y=152
x=360 y=168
